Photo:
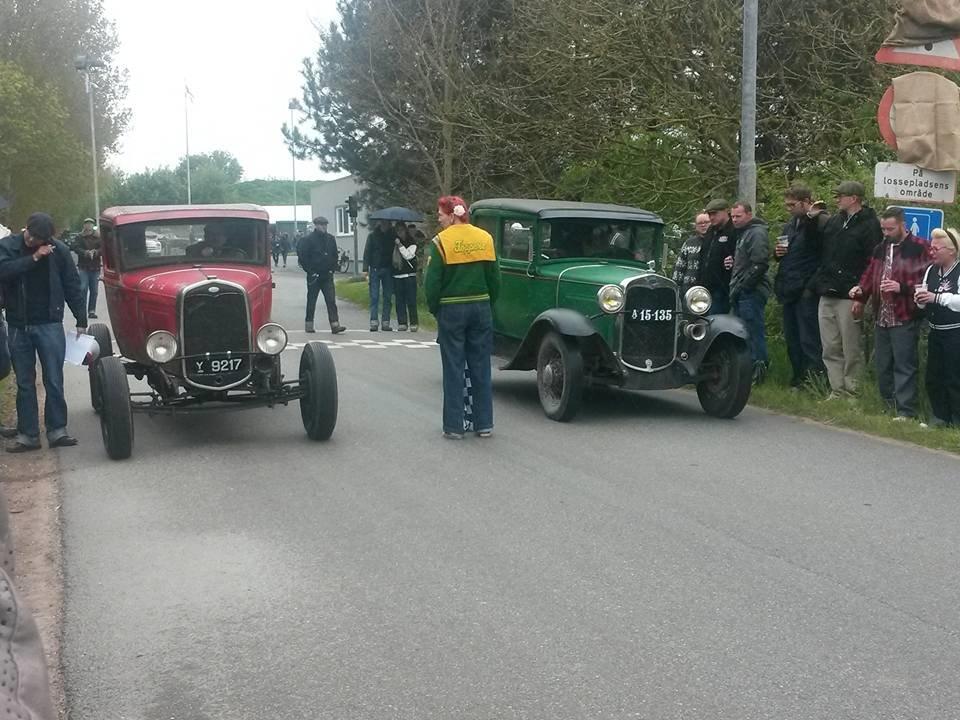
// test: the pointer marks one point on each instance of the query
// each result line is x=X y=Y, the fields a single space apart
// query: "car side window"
x=517 y=241
x=106 y=245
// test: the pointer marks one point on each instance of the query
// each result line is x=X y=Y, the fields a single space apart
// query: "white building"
x=283 y=216
x=329 y=199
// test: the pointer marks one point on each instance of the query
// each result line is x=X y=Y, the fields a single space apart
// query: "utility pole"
x=748 y=105
x=187 y=97
x=85 y=64
x=293 y=161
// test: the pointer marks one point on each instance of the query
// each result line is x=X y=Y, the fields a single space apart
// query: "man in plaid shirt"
x=686 y=273
x=895 y=269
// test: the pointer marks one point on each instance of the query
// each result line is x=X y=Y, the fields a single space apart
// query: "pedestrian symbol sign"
x=922 y=221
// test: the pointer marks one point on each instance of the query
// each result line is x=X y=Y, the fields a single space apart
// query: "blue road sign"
x=922 y=221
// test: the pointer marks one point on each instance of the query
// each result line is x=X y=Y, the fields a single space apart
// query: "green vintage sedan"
x=582 y=303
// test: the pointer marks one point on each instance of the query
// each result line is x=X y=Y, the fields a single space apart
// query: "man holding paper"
x=37 y=278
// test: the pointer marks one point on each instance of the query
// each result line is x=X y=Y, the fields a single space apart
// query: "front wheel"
x=729 y=373
x=318 y=377
x=116 y=416
x=559 y=377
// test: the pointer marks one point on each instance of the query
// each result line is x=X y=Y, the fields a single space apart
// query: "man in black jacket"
x=378 y=263
x=37 y=277
x=716 y=255
x=798 y=252
x=849 y=239
x=317 y=255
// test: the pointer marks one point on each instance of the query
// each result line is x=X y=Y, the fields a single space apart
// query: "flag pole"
x=187 y=96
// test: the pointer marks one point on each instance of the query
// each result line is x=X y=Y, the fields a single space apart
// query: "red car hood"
x=169 y=281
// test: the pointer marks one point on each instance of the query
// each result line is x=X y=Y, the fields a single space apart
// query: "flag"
x=186 y=91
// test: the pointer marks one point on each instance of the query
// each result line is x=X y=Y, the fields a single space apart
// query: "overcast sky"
x=242 y=66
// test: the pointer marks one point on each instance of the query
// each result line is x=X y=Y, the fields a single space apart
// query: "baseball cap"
x=850 y=187
x=40 y=226
x=717 y=204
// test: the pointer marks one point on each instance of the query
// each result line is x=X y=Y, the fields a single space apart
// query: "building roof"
x=284 y=213
x=566 y=209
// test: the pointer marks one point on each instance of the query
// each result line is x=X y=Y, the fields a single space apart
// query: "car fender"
x=563 y=320
x=718 y=326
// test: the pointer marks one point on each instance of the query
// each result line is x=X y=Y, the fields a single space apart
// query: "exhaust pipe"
x=695 y=331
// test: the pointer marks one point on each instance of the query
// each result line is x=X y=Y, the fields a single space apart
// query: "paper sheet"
x=78 y=347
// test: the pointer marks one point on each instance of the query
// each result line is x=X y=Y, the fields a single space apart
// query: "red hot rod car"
x=192 y=318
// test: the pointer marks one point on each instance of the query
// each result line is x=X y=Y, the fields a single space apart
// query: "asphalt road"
x=645 y=561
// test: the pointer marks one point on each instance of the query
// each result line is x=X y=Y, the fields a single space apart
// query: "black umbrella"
x=400 y=214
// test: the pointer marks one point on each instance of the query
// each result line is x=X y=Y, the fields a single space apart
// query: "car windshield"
x=193 y=241
x=599 y=238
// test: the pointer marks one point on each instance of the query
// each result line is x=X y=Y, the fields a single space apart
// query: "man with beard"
x=798 y=252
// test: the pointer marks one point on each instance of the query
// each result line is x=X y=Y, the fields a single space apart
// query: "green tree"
x=213 y=179
x=389 y=94
x=44 y=38
x=40 y=158
x=161 y=186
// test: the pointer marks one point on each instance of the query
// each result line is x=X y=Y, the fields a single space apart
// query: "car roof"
x=126 y=214
x=547 y=209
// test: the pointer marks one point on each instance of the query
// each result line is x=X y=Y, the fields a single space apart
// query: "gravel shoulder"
x=32 y=489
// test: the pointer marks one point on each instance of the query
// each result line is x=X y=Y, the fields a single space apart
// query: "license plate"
x=651 y=315
x=217 y=365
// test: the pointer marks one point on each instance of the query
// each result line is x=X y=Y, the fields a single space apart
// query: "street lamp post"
x=85 y=64
x=294 y=105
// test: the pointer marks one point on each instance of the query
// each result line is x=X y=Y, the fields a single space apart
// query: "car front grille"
x=649 y=340
x=215 y=323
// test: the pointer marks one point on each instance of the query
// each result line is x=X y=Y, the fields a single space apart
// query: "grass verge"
x=865 y=413
x=357 y=292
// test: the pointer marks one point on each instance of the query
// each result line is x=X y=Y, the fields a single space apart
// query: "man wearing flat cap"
x=848 y=241
x=87 y=248
x=716 y=255
x=317 y=255
x=38 y=278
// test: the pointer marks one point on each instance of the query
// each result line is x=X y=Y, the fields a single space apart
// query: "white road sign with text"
x=902 y=181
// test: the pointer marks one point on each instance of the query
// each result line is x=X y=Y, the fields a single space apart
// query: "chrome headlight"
x=698 y=300
x=271 y=339
x=161 y=346
x=610 y=298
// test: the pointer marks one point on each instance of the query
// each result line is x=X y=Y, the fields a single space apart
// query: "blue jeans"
x=5 y=362
x=749 y=307
x=801 y=330
x=381 y=278
x=466 y=341
x=721 y=302
x=89 y=282
x=47 y=342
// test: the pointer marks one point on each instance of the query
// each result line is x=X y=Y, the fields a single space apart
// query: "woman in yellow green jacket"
x=461 y=285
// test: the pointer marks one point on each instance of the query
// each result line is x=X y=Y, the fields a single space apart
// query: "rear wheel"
x=116 y=416
x=730 y=373
x=100 y=333
x=318 y=377
x=559 y=377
